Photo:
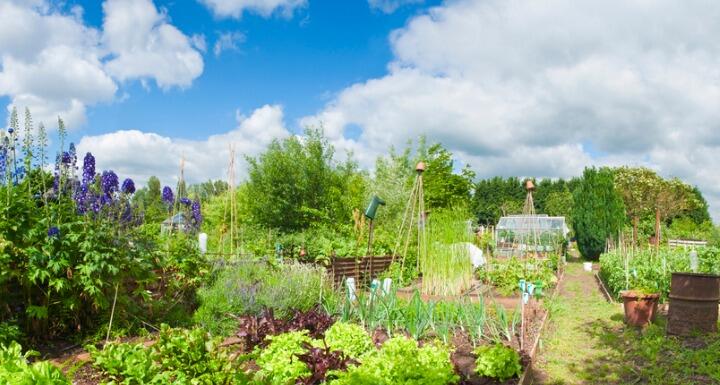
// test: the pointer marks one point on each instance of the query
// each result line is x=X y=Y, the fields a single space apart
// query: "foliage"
x=323 y=362
x=179 y=356
x=349 y=338
x=651 y=271
x=15 y=369
x=443 y=188
x=687 y=228
x=504 y=275
x=497 y=361
x=560 y=204
x=401 y=361
x=246 y=287
x=598 y=214
x=69 y=241
x=9 y=332
x=278 y=363
x=295 y=183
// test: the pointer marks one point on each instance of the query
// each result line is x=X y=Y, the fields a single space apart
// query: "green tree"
x=295 y=183
x=637 y=186
x=560 y=204
x=442 y=187
x=598 y=213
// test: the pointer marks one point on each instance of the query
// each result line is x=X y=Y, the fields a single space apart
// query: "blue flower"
x=109 y=182
x=66 y=158
x=167 y=196
x=88 y=168
x=53 y=232
x=185 y=201
x=10 y=130
x=196 y=214
x=128 y=186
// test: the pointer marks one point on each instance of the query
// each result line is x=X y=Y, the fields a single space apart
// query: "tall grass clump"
x=447 y=269
x=249 y=286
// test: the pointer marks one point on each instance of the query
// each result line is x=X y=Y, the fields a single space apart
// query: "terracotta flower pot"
x=640 y=308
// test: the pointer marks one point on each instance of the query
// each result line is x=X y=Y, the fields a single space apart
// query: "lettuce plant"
x=349 y=338
x=497 y=361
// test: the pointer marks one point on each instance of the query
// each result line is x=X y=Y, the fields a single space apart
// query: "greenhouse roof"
x=527 y=223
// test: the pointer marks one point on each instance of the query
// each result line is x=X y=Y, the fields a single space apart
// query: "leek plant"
x=446 y=268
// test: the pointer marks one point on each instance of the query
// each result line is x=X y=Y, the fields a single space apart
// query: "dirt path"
x=572 y=351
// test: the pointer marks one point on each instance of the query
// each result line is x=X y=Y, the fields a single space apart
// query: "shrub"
x=598 y=213
x=349 y=338
x=251 y=286
x=401 y=361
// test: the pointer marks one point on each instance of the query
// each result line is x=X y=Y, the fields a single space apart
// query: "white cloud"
x=390 y=6
x=265 y=8
x=137 y=154
x=54 y=64
x=228 y=41
x=544 y=89
x=145 y=46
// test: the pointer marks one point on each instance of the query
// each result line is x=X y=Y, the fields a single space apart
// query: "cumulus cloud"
x=390 y=6
x=54 y=64
x=142 y=154
x=524 y=88
x=228 y=41
x=265 y=8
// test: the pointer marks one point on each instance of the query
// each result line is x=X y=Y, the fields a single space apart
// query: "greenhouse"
x=520 y=233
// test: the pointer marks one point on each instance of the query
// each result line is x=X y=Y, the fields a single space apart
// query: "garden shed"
x=530 y=233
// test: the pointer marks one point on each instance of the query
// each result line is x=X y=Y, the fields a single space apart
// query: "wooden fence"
x=362 y=269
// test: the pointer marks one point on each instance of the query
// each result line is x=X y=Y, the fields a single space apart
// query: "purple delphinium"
x=53 y=231
x=185 y=201
x=66 y=158
x=128 y=186
x=196 y=214
x=109 y=182
x=167 y=196
x=88 y=169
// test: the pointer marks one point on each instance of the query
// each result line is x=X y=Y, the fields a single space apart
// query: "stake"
x=112 y=314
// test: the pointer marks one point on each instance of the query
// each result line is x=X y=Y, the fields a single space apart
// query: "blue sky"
x=297 y=62
x=512 y=88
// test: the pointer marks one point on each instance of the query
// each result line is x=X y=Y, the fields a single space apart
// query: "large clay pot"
x=693 y=303
x=640 y=308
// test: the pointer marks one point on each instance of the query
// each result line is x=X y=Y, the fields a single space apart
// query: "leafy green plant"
x=9 y=332
x=446 y=268
x=504 y=275
x=15 y=370
x=497 y=361
x=401 y=361
x=278 y=362
x=179 y=356
x=349 y=338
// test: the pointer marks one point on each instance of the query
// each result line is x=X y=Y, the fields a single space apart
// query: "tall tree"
x=442 y=186
x=637 y=186
x=598 y=214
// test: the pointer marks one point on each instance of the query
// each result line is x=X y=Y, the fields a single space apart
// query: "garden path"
x=573 y=347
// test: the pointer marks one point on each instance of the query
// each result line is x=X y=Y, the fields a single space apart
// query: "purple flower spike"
x=167 y=196
x=128 y=186
x=185 y=201
x=109 y=181
x=88 y=169
x=196 y=214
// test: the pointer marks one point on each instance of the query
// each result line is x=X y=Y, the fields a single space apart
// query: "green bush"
x=598 y=212
x=251 y=286
x=278 y=362
x=15 y=370
x=401 y=361
x=349 y=338
x=504 y=275
x=497 y=361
